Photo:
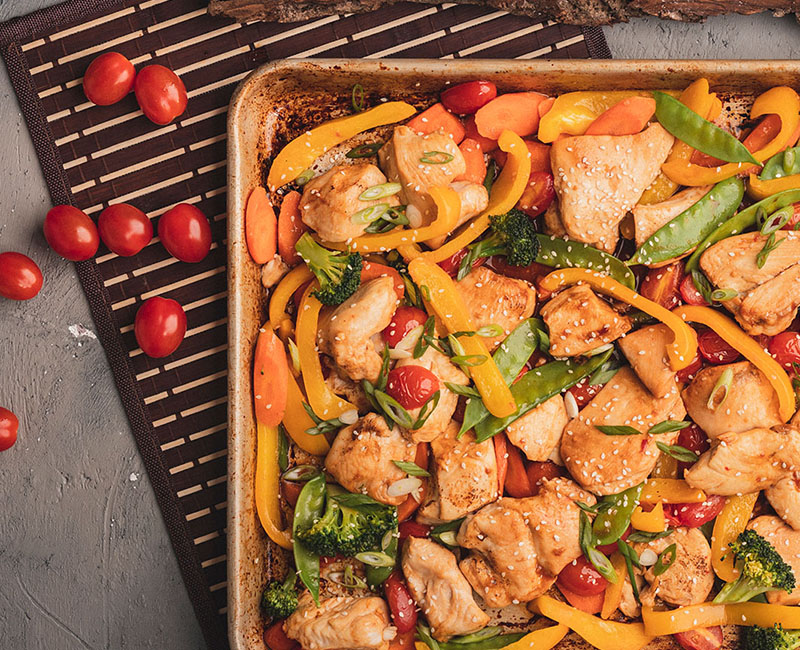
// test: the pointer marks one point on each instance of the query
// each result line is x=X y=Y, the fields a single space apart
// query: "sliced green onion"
x=678 y=453
x=387 y=539
x=448 y=537
x=375 y=558
x=357 y=98
x=777 y=220
x=721 y=295
x=306 y=176
x=769 y=246
x=370 y=214
x=641 y=536
x=599 y=350
x=490 y=331
x=394 y=410
x=458 y=389
x=364 y=150
x=720 y=391
x=283 y=449
x=436 y=158
x=300 y=473
x=469 y=360
x=668 y=426
x=666 y=559
x=379 y=191
x=480 y=635
x=788 y=160
x=621 y=430
x=412 y=469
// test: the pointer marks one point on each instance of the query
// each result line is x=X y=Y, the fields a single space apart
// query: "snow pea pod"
x=538 y=386
x=490 y=643
x=565 y=253
x=614 y=515
x=377 y=575
x=696 y=131
x=784 y=163
x=310 y=504
x=741 y=221
x=692 y=225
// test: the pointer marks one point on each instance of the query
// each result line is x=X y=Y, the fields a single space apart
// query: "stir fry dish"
x=531 y=369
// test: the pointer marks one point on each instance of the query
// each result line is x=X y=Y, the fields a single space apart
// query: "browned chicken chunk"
x=646 y=351
x=784 y=497
x=579 y=321
x=538 y=432
x=440 y=590
x=650 y=218
x=552 y=222
x=787 y=542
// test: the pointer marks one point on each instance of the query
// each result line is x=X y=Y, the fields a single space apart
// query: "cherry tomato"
x=124 y=229
x=405 y=641
x=401 y=604
x=468 y=97
x=404 y=320
x=694 y=515
x=687 y=374
x=538 y=471
x=610 y=549
x=530 y=273
x=20 y=276
x=412 y=386
x=159 y=326
x=160 y=93
x=583 y=392
x=794 y=220
x=291 y=491
x=185 y=233
x=275 y=638
x=704 y=638
x=452 y=263
x=538 y=194
x=9 y=424
x=71 y=233
x=108 y=79
x=411 y=528
x=582 y=578
x=785 y=347
x=714 y=349
x=661 y=285
x=690 y=294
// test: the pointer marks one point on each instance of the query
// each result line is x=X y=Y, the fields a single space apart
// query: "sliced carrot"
x=435 y=118
x=372 y=270
x=516 y=112
x=501 y=454
x=260 y=226
x=590 y=604
x=540 y=156
x=410 y=505
x=627 y=117
x=545 y=106
x=758 y=138
x=290 y=228
x=516 y=483
x=270 y=378
x=476 y=165
x=487 y=144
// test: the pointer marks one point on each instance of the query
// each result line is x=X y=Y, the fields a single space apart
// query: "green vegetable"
x=357 y=98
x=761 y=569
x=588 y=544
x=412 y=469
x=614 y=515
x=771 y=638
x=339 y=274
x=770 y=245
x=445 y=533
x=491 y=172
x=631 y=560
x=364 y=150
x=617 y=430
x=783 y=163
x=494 y=642
x=696 y=131
x=279 y=599
x=777 y=220
x=380 y=191
x=513 y=234
x=678 y=453
x=376 y=575
x=668 y=426
x=665 y=559
x=283 y=449
x=436 y=158
x=641 y=536
x=564 y=254
x=692 y=225
x=308 y=509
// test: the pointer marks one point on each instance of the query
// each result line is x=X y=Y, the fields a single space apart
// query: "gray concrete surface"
x=85 y=563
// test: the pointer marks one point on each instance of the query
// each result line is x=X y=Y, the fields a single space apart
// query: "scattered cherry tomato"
x=690 y=294
x=582 y=578
x=404 y=641
x=20 y=276
x=9 y=424
x=468 y=97
x=411 y=386
x=610 y=549
x=794 y=220
x=583 y=392
x=704 y=638
x=411 y=528
x=661 y=285
x=124 y=229
x=452 y=263
x=108 y=79
x=538 y=471
x=714 y=349
x=404 y=320
x=517 y=484
x=538 y=194
x=275 y=638
x=687 y=374
x=785 y=347
x=401 y=604
x=694 y=515
x=185 y=233
x=160 y=93
x=531 y=273
x=71 y=233
x=159 y=326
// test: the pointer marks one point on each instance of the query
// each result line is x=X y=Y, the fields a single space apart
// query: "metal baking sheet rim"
x=251 y=556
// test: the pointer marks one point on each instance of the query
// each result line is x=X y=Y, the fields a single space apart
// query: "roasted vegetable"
x=339 y=274
x=771 y=638
x=279 y=599
x=512 y=234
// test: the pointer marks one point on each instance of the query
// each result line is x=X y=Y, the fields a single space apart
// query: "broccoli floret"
x=771 y=638
x=513 y=235
x=761 y=568
x=338 y=273
x=350 y=524
x=279 y=599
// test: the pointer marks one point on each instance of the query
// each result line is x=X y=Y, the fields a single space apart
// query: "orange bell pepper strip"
x=283 y=293
x=681 y=352
x=613 y=593
x=267 y=488
x=603 y=635
x=683 y=619
x=290 y=228
x=761 y=189
x=260 y=226
x=543 y=639
x=449 y=307
x=372 y=270
x=300 y=153
x=650 y=522
x=729 y=524
x=670 y=490
x=270 y=377
x=589 y=603
x=437 y=118
x=624 y=118
x=506 y=192
x=734 y=336
x=296 y=421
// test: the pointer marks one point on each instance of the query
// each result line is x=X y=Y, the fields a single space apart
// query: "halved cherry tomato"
x=185 y=233
x=501 y=458
x=785 y=347
x=405 y=641
x=275 y=638
x=159 y=326
x=794 y=220
x=517 y=484
x=9 y=425
x=20 y=277
x=538 y=471
x=662 y=285
x=704 y=638
x=468 y=97
x=714 y=349
x=401 y=604
x=108 y=79
x=690 y=294
x=125 y=229
x=694 y=515
x=411 y=528
x=583 y=392
x=610 y=549
x=581 y=577
x=694 y=439
x=412 y=386
x=687 y=374
x=404 y=320
x=452 y=263
x=160 y=93
x=538 y=195
x=71 y=233
x=487 y=144
x=589 y=603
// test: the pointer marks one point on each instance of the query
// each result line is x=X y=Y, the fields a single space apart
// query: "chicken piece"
x=606 y=464
x=768 y=296
x=552 y=222
x=362 y=454
x=341 y=622
x=751 y=400
x=784 y=497
x=273 y=271
x=650 y=218
x=402 y=158
x=346 y=335
x=598 y=178
x=463 y=476
x=474 y=199
x=329 y=201
x=628 y=604
x=579 y=321
x=690 y=578
x=745 y=462
x=440 y=590
x=646 y=351
x=493 y=299
x=520 y=545
x=787 y=542
x=538 y=432
x=445 y=371
x=345 y=387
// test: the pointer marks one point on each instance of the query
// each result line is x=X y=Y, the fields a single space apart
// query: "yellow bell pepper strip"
x=268 y=485
x=300 y=153
x=603 y=635
x=324 y=402
x=729 y=524
x=283 y=293
x=684 y=347
x=670 y=490
x=296 y=421
x=734 y=336
x=650 y=522
x=781 y=101
x=449 y=307
x=506 y=192
x=543 y=639
x=270 y=376
x=613 y=596
x=683 y=619
x=666 y=467
x=760 y=189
